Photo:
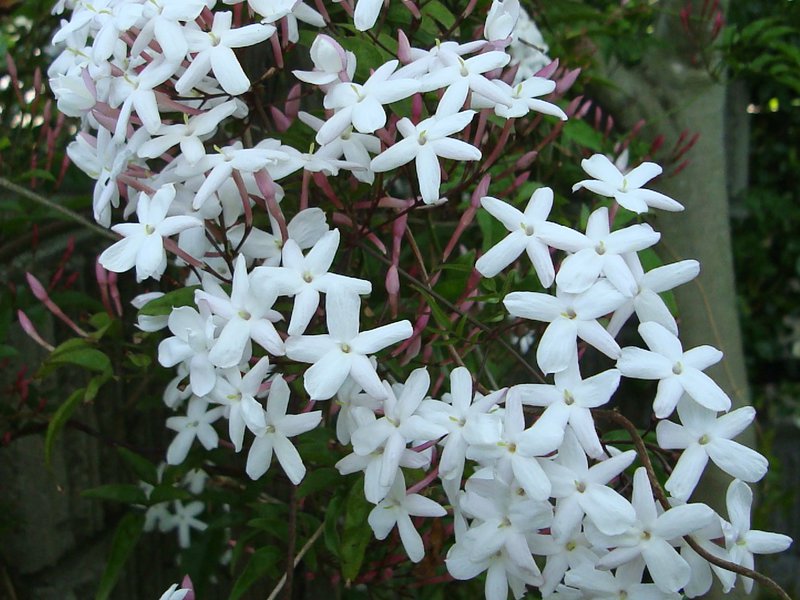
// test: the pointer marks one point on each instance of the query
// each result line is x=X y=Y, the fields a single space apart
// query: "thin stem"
x=306 y=547
x=70 y=214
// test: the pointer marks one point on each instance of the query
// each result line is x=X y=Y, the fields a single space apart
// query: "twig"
x=641 y=450
x=306 y=547
x=70 y=214
x=290 y=547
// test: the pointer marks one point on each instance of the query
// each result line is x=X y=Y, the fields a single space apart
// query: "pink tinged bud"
x=412 y=8
x=481 y=190
x=416 y=108
x=573 y=106
x=282 y=122
x=392 y=281
x=525 y=161
x=403 y=47
x=719 y=23
x=322 y=183
x=277 y=51
x=28 y=328
x=519 y=180
x=41 y=294
x=292 y=106
x=566 y=81
x=186 y=584
x=581 y=112
x=685 y=13
x=102 y=283
x=548 y=70
x=509 y=74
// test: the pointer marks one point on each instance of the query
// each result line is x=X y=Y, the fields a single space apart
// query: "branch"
x=306 y=547
x=70 y=214
x=641 y=450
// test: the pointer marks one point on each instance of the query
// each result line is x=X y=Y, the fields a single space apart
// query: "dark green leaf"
x=164 y=305
x=356 y=532
x=262 y=563
x=58 y=420
x=127 y=493
x=125 y=538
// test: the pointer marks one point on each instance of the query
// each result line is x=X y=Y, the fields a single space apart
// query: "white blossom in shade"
x=421 y=62
x=503 y=516
x=355 y=147
x=173 y=593
x=425 y=143
x=646 y=302
x=362 y=105
x=581 y=490
x=399 y=425
x=599 y=252
x=396 y=509
x=460 y=76
x=571 y=316
x=193 y=338
x=741 y=541
x=454 y=412
x=142 y=244
x=511 y=450
x=103 y=160
x=238 y=394
x=305 y=277
x=213 y=51
x=500 y=20
x=372 y=464
x=352 y=401
x=188 y=135
x=306 y=228
x=302 y=12
x=275 y=434
x=570 y=551
x=625 y=189
x=330 y=60
x=177 y=391
x=162 y=23
x=221 y=165
x=524 y=98
x=149 y=323
x=366 y=13
x=678 y=372
x=244 y=315
x=652 y=536
x=133 y=91
x=184 y=519
x=195 y=425
x=523 y=237
x=497 y=541
x=703 y=435
x=569 y=402
x=344 y=350
x=73 y=98
x=626 y=582
x=270 y=10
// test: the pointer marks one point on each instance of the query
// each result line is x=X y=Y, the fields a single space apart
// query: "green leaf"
x=58 y=420
x=140 y=360
x=127 y=493
x=262 y=563
x=125 y=538
x=76 y=351
x=356 y=532
x=330 y=533
x=168 y=493
x=318 y=480
x=143 y=468
x=164 y=305
x=94 y=385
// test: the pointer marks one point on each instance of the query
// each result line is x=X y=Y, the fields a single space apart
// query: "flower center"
x=308 y=277
x=422 y=139
x=346 y=348
x=704 y=439
x=245 y=315
x=600 y=248
x=149 y=229
x=646 y=535
x=569 y=314
x=677 y=368
x=569 y=399
x=527 y=228
x=580 y=486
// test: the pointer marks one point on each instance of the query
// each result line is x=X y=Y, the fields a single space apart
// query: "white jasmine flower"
x=646 y=302
x=344 y=351
x=678 y=372
x=275 y=434
x=625 y=189
x=651 y=537
x=599 y=252
x=703 y=435
x=362 y=105
x=396 y=510
x=245 y=315
x=524 y=237
x=741 y=541
x=424 y=144
x=184 y=519
x=196 y=424
x=142 y=245
x=570 y=316
x=193 y=338
x=213 y=51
